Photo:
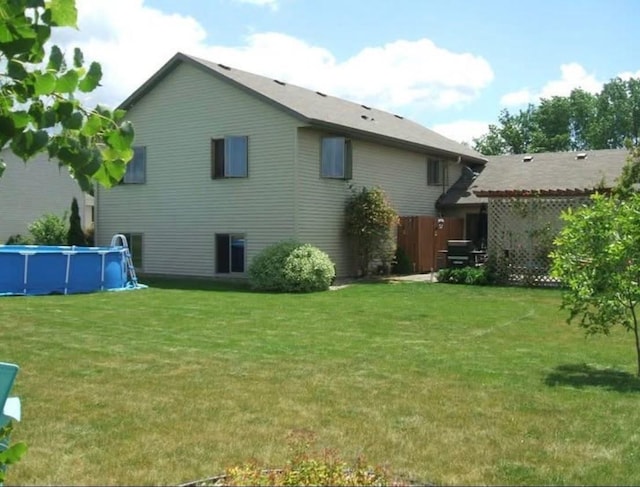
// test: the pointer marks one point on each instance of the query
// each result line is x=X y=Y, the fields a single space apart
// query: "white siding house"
x=28 y=191
x=228 y=162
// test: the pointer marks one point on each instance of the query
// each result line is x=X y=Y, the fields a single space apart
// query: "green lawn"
x=444 y=384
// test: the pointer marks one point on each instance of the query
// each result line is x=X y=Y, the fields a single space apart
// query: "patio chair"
x=9 y=406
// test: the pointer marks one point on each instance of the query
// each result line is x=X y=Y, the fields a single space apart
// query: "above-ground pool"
x=39 y=269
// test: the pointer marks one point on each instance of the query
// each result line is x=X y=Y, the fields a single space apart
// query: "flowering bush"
x=291 y=266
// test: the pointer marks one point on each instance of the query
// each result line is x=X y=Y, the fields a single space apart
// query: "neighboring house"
x=522 y=197
x=28 y=191
x=228 y=162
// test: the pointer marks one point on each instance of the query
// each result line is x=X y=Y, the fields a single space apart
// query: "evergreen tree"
x=76 y=235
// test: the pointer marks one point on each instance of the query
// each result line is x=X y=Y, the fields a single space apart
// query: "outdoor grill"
x=459 y=253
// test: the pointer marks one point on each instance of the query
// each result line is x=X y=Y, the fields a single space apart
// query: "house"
x=28 y=191
x=521 y=198
x=228 y=162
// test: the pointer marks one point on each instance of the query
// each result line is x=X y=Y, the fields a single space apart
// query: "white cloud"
x=572 y=76
x=627 y=75
x=518 y=98
x=462 y=130
x=273 y=4
x=132 y=40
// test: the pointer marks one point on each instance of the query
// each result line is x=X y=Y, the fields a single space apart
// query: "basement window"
x=230 y=253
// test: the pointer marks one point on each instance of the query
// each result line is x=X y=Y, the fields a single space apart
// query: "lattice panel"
x=521 y=233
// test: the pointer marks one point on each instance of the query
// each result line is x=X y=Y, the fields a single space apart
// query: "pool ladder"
x=127 y=256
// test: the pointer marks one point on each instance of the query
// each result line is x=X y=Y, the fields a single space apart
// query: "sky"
x=450 y=65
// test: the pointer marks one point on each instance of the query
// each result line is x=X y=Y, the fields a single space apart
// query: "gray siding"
x=180 y=208
x=400 y=173
x=28 y=191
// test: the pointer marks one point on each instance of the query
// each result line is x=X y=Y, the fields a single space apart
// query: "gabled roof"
x=321 y=110
x=550 y=173
x=544 y=174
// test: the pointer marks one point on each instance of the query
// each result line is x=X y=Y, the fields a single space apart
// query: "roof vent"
x=364 y=117
x=224 y=67
x=581 y=156
x=281 y=83
x=365 y=107
x=527 y=159
x=400 y=117
x=321 y=94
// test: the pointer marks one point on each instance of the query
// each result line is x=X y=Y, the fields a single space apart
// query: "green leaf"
x=45 y=84
x=63 y=13
x=64 y=108
x=74 y=122
x=49 y=118
x=78 y=57
x=40 y=140
x=110 y=173
x=7 y=127
x=13 y=453
x=91 y=81
x=122 y=138
x=68 y=82
x=21 y=119
x=56 y=60
x=28 y=143
x=92 y=126
x=16 y=70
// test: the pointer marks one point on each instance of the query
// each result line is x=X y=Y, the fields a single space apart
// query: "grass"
x=444 y=384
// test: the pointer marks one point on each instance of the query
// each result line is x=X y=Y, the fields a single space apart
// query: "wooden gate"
x=417 y=236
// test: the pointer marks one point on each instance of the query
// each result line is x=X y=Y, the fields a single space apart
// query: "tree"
x=596 y=257
x=552 y=125
x=39 y=110
x=582 y=105
x=370 y=219
x=581 y=121
x=76 y=235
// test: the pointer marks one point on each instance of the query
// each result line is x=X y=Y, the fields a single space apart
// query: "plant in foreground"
x=9 y=454
x=306 y=467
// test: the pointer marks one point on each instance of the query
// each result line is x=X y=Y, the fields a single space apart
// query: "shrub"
x=308 y=466
x=403 y=264
x=370 y=221
x=291 y=266
x=49 y=229
x=478 y=276
x=18 y=239
x=75 y=235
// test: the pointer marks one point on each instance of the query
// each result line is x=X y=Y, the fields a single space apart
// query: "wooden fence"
x=417 y=236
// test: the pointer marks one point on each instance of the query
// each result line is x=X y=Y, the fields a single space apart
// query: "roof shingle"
x=321 y=110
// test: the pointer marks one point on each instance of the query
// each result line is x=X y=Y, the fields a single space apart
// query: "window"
x=335 y=158
x=436 y=172
x=229 y=157
x=135 y=248
x=230 y=253
x=136 y=168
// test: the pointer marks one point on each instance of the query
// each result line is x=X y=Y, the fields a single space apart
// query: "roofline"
x=394 y=141
x=179 y=57
x=531 y=193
